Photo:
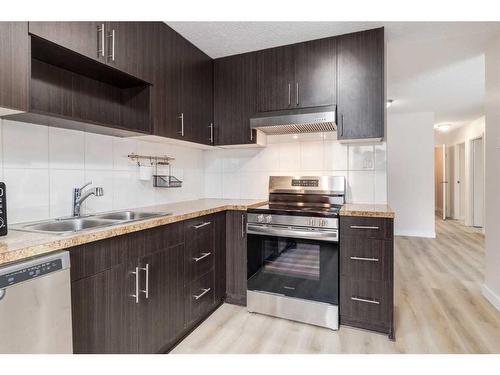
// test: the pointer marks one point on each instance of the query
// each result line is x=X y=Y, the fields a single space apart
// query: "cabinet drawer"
x=367 y=304
x=366 y=259
x=200 y=251
x=366 y=227
x=199 y=298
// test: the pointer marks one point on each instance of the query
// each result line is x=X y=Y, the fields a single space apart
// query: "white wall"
x=453 y=137
x=492 y=163
x=41 y=166
x=410 y=169
x=244 y=173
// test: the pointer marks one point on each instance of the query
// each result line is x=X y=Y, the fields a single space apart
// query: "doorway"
x=441 y=180
x=459 y=182
x=477 y=164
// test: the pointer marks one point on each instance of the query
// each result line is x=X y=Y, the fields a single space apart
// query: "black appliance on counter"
x=293 y=252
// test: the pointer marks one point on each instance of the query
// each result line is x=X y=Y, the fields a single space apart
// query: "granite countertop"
x=368 y=210
x=18 y=245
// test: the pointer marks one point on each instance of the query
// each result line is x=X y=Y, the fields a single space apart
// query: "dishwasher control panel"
x=30 y=272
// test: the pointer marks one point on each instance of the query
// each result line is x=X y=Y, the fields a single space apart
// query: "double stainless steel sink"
x=82 y=223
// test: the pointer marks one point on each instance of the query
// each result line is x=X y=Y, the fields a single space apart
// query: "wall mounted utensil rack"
x=163 y=181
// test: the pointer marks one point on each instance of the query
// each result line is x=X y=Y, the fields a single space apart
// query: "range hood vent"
x=294 y=121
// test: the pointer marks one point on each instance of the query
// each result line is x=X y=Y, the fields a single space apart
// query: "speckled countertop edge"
x=367 y=210
x=18 y=245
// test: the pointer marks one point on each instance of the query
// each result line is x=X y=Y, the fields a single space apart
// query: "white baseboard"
x=411 y=233
x=491 y=297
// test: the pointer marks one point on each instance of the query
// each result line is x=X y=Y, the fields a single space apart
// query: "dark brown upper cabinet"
x=85 y=38
x=183 y=92
x=14 y=65
x=275 y=77
x=235 y=94
x=360 y=101
x=131 y=47
x=167 y=87
x=297 y=76
x=197 y=95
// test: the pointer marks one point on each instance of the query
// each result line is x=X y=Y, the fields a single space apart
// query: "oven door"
x=293 y=262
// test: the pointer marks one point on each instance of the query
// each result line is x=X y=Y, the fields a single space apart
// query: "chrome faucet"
x=78 y=198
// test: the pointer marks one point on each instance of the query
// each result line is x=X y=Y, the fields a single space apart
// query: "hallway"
x=439 y=309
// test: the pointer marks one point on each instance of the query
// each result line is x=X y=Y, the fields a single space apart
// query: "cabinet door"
x=133 y=47
x=275 y=78
x=14 y=60
x=167 y=85
x=104 y=313
x=197 y=101
x=161 y=314
x=315 y=73
x=236 y=258
x=235 y=93
x=361 y=85
x=85 y=38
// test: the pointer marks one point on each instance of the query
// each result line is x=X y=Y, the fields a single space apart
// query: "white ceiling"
x=431 y=66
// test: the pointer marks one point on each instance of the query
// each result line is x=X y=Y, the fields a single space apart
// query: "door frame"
x=471 y=179
x=459 y=181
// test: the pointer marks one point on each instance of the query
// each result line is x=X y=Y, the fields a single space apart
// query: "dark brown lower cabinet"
x=104 y=314
x=367 y=273
x=236 y=258
x=174 y=292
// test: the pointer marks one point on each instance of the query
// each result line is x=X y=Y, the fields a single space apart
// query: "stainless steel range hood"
x=293 y=121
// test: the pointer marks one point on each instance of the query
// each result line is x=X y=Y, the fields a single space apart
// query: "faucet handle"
x=99 y=191
x=85 y=185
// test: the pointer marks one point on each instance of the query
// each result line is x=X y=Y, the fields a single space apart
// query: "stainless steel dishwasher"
x=35 y=306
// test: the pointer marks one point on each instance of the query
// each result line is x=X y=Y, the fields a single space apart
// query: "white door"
x=477 y=182
x=461 y=181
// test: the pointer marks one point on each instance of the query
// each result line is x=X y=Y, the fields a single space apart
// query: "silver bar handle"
x=211 y=132
x=364 y=227
x=203 y=256
x=101 y=39
x=289 y=94
x=243 y=226
x=146 y=291
x=205 y=291
x=181 y=117
x=112 y=36
x=136 y=295
x=375 y=302
x=202 y=225
x=251 y=134
x=297 y=92
x=342 y=126
x=365 y=259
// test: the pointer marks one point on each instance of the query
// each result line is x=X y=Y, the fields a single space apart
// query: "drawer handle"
x=365 y=259
x=205 y=291
x=363 y=227
x=203 y=255
x=202 y=225
x=366 y=300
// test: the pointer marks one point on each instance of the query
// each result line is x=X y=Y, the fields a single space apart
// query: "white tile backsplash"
x=66 y=149
x=42 y=165
x=25 y=145
x=245 y=173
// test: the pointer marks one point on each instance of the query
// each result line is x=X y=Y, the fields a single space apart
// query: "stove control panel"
x=295 y=221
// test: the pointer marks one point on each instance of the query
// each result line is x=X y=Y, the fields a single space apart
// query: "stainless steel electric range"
x=293 y=252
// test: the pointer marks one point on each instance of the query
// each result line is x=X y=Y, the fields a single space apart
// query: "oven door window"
x=293 y=267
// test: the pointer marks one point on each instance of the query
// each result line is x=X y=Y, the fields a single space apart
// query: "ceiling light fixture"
x=389 y=102
x=442 y=127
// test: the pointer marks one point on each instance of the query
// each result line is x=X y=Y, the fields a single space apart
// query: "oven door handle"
x=331 y=236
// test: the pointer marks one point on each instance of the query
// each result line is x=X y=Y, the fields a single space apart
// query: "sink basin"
x=66 y=225
x=78 y=224
x=128 y=215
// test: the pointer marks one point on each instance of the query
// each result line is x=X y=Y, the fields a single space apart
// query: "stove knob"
x=269 y=218
x=260 y=218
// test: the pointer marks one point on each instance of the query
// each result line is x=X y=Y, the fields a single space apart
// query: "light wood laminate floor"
x=439 y=309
